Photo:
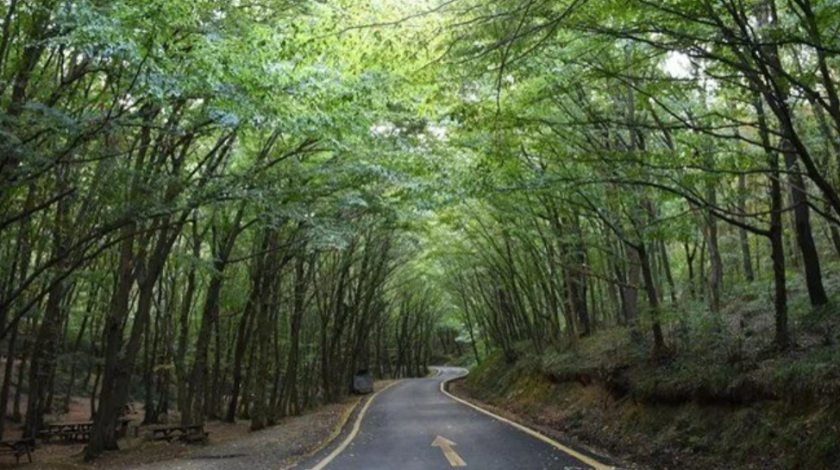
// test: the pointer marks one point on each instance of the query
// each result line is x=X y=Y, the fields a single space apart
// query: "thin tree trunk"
x=744 y=236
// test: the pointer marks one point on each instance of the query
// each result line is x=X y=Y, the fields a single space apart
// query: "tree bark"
x=804 y=235
x=746 y=258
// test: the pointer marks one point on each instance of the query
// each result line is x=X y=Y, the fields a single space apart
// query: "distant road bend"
x=413 y=425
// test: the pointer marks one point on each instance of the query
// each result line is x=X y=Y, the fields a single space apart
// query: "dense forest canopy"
x=226 y=209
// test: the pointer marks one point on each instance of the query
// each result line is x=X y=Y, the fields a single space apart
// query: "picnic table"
x=76 y=431
x=189 y=433
x=18 y=447
x=71 y=431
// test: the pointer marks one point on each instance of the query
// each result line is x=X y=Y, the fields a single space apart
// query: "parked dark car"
x=362 y=383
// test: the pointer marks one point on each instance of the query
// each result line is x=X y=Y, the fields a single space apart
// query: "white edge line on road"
x=583 y=458
x=356 y=426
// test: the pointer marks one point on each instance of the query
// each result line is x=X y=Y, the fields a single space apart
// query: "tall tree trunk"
x=744 y=236
x=666 y=266
x=653 y=301
x=184 y=325
x=198 y=392
x=776 y=233
x=71 y=382
x=804 y=235
x=21 y=374
x=715 y=261
x=43 y=362
x=8 y=373
x=240 y=350
x=630 y=291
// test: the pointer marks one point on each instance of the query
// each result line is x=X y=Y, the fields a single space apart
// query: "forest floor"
x=231 y=445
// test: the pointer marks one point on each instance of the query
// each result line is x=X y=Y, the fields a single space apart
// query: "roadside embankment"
x=774 y=412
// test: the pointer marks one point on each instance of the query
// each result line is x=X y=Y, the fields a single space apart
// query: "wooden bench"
x=190 y=434
x=77 y=431
x=67 y=432
x=75 y=435
x=18 y=447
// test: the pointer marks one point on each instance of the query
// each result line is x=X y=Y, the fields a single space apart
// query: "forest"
x=222 y=211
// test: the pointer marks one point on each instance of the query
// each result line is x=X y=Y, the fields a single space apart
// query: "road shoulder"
x=321 y=457
x=596 y=459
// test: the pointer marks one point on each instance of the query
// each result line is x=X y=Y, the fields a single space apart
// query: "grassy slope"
x=692 y=411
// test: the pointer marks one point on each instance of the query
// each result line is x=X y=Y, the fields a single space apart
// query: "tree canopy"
x=199 y=198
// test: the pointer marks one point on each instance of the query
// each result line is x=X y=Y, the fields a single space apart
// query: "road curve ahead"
x=414 y=426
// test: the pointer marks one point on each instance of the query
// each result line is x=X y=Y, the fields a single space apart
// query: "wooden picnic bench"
x=78 y=431
x=18 y=447
x=190 y=433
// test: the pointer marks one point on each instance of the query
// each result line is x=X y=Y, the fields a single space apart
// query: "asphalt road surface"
x=414 y=426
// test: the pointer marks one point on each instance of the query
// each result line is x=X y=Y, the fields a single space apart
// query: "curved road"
x=414 y=426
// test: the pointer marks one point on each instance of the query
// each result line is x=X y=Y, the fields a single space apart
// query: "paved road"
x=402 y=423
